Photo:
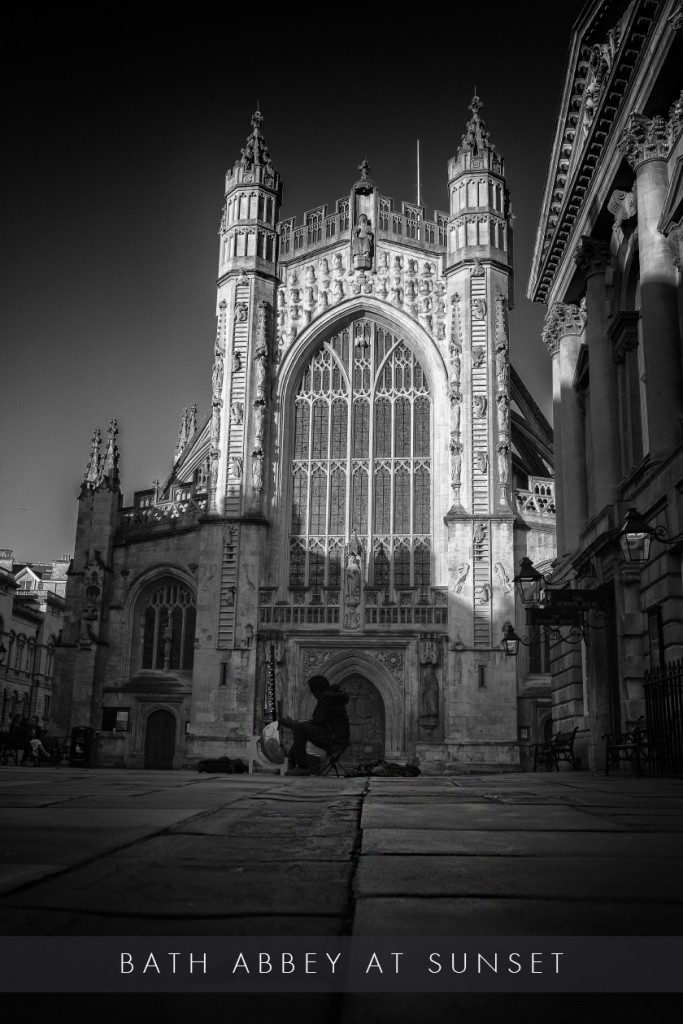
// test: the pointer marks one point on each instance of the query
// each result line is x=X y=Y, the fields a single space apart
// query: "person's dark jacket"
x=330 y=713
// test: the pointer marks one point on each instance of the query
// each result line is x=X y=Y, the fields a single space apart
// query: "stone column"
x=573 y=428
x=551 y=340
x=646 y=142
x=592 y=257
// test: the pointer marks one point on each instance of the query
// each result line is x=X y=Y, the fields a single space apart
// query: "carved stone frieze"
x=393 y=661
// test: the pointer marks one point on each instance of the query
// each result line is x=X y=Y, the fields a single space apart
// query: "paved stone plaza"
x=108 y=852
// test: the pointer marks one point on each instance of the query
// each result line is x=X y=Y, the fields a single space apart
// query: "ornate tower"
x=81 y=653
x=478 y=268
x=240 y=477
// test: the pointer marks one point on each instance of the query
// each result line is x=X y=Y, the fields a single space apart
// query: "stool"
x=333 y=754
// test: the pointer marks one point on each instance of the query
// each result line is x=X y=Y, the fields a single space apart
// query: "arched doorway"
x=366 y=718
x=160 y=739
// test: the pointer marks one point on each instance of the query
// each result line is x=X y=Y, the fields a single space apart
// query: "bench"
x=629 y=746
x=559 y=748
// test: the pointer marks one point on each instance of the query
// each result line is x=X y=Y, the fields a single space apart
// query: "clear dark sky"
x=117 y=140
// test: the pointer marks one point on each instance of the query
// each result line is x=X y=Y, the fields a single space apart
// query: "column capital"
x=562 y=319
x=592 y=256
x=650 y=138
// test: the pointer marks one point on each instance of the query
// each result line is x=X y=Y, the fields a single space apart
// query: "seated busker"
x=328 y=726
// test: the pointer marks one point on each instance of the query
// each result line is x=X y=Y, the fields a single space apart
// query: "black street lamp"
x=635 y=537
x=533 y=585
x=511 y=642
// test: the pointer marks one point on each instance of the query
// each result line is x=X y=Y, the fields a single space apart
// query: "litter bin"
x=83 y=753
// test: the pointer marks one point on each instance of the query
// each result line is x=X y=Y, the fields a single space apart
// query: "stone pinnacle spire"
x=476 y=139
x=255 y=153
x=109 y=473
x=92 y=472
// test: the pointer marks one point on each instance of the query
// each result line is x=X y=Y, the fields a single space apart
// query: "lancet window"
x=361 y=461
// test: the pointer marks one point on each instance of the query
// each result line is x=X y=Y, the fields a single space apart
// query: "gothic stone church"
x=371 y=473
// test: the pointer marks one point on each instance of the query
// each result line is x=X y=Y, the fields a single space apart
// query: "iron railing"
x=664 y=715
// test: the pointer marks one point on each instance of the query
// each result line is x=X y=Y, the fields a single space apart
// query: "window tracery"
x=167 y=616
x=361 y=461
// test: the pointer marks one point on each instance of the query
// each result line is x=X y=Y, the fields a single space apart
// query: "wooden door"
x=160 y=740
x=366 y=718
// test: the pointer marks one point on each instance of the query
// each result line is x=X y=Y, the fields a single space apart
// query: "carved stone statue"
x=235 y=467
x=241 y=312
x=429 y=693
x=479 y=535
x=480 y=403
x=236 y=362
x=236 y=412
x=503 y=412
x=503 y=463
x=477 y=356
x=456 y=463
x=455 y=363
x=352 y=575
x=362 y=245
x=217 y=376
x=482 y=461
x=478 y=309
x=501 y=365
x=461 y=576
x=257 y=469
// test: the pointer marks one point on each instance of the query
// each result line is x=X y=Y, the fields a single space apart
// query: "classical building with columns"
x=607 y=263
x=369 y=473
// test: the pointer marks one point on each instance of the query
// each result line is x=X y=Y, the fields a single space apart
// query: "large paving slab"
x=192 y=886
x=500 y=843
x=553 y=878
x=382 y=814
x=445 y=915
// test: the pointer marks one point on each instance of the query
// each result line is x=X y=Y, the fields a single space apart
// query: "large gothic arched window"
x=361 y=461
x=166 y=617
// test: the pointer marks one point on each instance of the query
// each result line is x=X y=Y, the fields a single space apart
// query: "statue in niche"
x=502 y=365
x=477 y=356
x=236 y=362
x=461 y=576
x=352 y=574
x=482 y=461
x=259 y=421
x=240 y=312
x=398 y=264
x=217 y=376
x=257 y=469
x=456 y=463
x=216 y=418
x=503 y=463
x=324 y=297
x=480 y=404
x=382 y=291
x=503 y=412
x=324 y=267
x=338 y=264
x=236 y=412
x=478 y=309
x=412 y=267
x=383 y=264
x=338 y=291
x=235 y=467
x=362 y=244
x=455 y=411
x=397 y=296
x=410 y=290
x=429 y=693
x=213 y=471
x=455 y=363
x=260 y=358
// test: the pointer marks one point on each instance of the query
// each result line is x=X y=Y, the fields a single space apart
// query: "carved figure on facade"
x=478 y=356
x=484 y=595
x=217 y=374
x=503 y=452
x=352 y=580
x=241 y=312
x=324 y=268
x=481 y=461
x=235 y=467
x=429 y=697
x=248 y=636
x=259 y=421
x=456 y=335
x=363 y=244
x=216 y=420
x=477 y=269
x=257 y=469
x=505 y=581
x=479 y=534
x=237 y=412
x=338 y=264
x=337 y=291
x=461 y=575
x=456 y=365
x=480 y=405
x=502 y=366
x=397 y=296
x=501 y=335
x=503 y=413
x=455 y=408
x=478 y=309
x=382 y=290
x=456 y=463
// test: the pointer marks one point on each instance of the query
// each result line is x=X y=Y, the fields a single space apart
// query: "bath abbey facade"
x=356 y=503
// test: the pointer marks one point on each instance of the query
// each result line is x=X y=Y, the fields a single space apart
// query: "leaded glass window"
x=361 y=461
x=167 y=619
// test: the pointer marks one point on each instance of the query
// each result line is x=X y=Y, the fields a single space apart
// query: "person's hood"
x=336 y=695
